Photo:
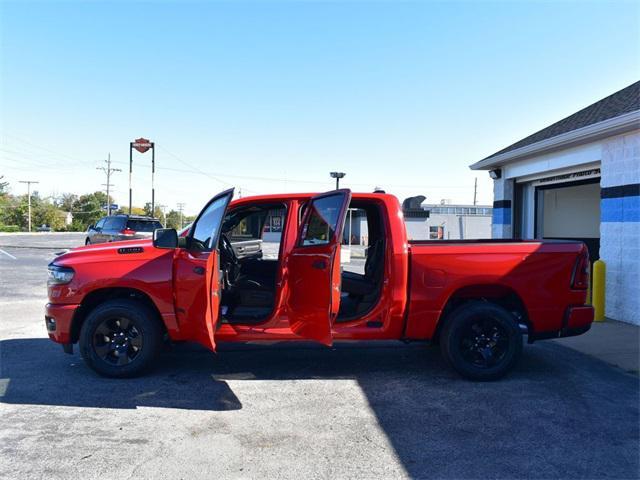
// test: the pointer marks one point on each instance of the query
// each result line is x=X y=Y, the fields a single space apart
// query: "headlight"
x=59 y=275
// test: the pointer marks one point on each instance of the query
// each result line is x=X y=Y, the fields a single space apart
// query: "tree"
x=65 y=201
x=173 y=220
x=147 y=211
x=4 y=187
x=87 y=210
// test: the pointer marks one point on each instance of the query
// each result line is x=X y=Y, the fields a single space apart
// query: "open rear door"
x=313 y=267
x=204 y=237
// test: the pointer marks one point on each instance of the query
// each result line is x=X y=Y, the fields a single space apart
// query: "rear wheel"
x=120 y=338
x=481 y=341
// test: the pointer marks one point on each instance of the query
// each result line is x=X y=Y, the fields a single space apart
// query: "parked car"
x=121 y=227
x=43 y=228
x=477 y=299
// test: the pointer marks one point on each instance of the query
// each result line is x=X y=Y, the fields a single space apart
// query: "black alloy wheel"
x=481 y=340
x=121 y=338
x=484 y=342
x=117 y=341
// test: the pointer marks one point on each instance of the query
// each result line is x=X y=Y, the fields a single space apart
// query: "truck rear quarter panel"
x=539 y=273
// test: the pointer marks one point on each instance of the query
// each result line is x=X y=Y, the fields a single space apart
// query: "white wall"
x=620 y=240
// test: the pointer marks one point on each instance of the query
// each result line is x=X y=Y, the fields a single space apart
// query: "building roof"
x=618 y=104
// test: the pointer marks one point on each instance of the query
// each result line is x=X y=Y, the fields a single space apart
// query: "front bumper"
x=58 y=320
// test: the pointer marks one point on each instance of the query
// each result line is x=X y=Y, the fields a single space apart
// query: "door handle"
x=319 y=264
x=199 y=270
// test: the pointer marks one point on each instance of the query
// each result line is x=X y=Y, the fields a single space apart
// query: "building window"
x=436 y=232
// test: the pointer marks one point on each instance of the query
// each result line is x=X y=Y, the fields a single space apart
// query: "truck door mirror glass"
x=165 y=238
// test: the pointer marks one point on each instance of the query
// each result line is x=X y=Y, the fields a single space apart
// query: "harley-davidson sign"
x=142 y=144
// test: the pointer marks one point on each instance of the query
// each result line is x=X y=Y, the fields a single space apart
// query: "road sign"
x=142 y=144
x=114 y=206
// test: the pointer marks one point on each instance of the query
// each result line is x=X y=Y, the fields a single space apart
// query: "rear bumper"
x=577 y=320
x=58 y=320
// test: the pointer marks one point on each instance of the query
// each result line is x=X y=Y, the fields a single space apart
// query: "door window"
x=322 y=222
x=207 y=227
x=100 y=223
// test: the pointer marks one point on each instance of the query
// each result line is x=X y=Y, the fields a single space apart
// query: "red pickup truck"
x=269 y=268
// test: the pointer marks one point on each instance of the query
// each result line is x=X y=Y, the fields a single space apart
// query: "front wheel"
x=120 y=338
x=87 y=242
x=481 y=341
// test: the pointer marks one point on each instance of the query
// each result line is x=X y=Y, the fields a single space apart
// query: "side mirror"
x=165 y=238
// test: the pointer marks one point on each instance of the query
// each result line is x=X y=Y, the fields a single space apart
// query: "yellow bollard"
x=589 y=286
x=599 y=277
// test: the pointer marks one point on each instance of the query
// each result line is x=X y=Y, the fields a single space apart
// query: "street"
x=365 y=410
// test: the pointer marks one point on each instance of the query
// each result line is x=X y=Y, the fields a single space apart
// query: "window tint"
x=205 y=231
x=323 y=220
x=143 y=225
x=110 y=223
x=100 y=223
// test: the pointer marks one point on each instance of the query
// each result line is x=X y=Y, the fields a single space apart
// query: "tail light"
x=580 y=280
x=128 y=231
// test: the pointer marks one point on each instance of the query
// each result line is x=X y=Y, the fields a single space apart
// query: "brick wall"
x=620 y=225
x=502 y=208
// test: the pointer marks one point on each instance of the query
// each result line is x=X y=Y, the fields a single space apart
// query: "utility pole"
x=475 y=192
x=180 y=209
x=108 y=170
x=29 y=182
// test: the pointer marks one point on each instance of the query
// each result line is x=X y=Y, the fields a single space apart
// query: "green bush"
x=9 y=228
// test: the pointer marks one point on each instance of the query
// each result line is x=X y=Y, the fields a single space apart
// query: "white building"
x=445 y=221
x=579 y=179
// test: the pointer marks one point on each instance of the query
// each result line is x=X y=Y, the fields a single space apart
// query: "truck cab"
x=274 y=268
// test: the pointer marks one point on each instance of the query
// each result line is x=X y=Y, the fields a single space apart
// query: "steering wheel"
x=227 y=252
x=229 y=260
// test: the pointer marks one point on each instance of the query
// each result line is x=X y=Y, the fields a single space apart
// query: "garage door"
x=570 y=212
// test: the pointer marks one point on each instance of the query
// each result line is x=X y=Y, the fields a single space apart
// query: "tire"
x=87 y=242
x=120 y=338
x=481 y=341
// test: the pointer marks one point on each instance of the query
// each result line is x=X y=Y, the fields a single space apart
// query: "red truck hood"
x=139 y=249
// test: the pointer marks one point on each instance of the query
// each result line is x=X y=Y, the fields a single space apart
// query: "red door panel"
x=197 y=273
x=314 y=267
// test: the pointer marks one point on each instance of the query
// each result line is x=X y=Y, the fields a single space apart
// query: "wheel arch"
x=101 y=295
x=495 y=293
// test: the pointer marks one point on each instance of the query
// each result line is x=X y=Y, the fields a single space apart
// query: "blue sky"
x=271 y=96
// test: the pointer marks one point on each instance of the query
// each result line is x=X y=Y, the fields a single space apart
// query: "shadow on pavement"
x=559 y=414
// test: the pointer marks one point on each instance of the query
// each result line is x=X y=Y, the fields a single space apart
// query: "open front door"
x=314 y=267
x=203 y=239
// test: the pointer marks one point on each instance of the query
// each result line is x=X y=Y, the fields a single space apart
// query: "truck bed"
x=532 y=273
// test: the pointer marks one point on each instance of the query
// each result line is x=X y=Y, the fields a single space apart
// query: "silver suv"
x=121 y=227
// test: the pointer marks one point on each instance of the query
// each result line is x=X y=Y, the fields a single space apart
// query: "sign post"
x=142 y=145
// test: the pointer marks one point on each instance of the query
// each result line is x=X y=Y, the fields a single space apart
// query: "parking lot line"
x=8 y=254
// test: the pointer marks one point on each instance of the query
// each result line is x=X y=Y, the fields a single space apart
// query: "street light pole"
x=29 y=182
x=337 y=176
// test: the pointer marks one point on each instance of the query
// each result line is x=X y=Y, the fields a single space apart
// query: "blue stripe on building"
x=501 y=212
x=501 y=216
x=620 y=203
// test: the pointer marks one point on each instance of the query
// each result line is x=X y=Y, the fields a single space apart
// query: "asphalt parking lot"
x=297 y=411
